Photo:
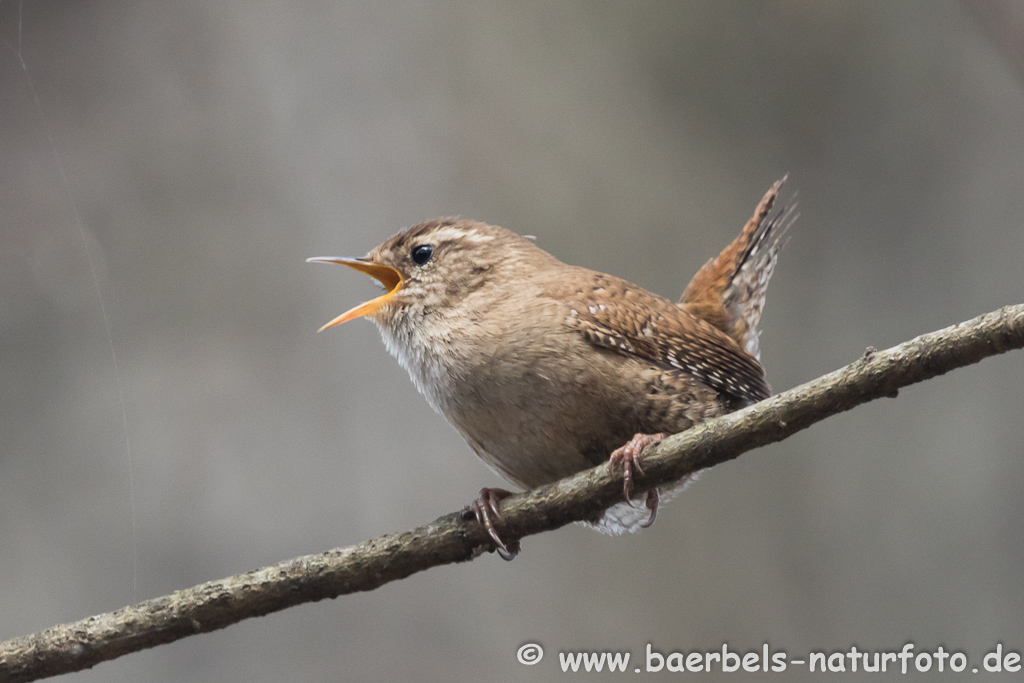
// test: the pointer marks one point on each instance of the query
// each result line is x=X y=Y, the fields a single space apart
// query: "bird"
x=547 y=369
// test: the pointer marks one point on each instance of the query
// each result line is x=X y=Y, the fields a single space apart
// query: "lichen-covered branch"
x=452 y=538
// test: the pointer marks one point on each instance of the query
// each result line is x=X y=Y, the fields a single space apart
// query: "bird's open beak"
x=386 y=275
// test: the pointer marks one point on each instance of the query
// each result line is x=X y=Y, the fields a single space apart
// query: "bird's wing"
x=613 y=314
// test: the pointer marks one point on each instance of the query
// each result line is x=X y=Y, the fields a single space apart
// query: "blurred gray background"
x=210 y=147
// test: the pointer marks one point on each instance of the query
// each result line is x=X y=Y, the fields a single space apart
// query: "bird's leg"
x=629 y=457
x=484 y=508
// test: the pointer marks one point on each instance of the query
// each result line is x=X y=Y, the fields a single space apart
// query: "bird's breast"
x=528 y=394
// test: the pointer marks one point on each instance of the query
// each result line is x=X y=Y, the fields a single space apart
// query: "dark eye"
x=422 y=254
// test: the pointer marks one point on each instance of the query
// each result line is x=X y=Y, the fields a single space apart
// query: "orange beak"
x=386 y=275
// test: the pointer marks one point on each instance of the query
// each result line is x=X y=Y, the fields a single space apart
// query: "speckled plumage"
x=546 y=368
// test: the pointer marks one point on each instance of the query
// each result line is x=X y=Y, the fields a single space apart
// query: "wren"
x=547 y=369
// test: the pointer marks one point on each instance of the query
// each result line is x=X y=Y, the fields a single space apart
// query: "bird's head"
x=431 y=267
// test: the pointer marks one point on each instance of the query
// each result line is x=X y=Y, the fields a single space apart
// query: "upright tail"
x=729 y=290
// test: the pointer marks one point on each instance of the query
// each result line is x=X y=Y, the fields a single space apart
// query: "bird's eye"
x=422 y=254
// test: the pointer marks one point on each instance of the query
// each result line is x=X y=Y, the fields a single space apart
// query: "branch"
x=451 y=538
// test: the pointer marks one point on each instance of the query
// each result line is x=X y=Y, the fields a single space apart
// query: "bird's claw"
x=628 y=456
x=652 y=504
x=484 y=508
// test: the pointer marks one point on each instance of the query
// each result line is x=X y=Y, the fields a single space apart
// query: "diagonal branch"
x=368 y=565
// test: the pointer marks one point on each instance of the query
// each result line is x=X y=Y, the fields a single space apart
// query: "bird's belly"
x=528 y=458
x=539 y=428
x=528 y=462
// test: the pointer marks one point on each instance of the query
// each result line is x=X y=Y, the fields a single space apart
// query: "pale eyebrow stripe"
x=455 y=234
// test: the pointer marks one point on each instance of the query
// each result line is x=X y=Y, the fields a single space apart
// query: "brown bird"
x=547 y=369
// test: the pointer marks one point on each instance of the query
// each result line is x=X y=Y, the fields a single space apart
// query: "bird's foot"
x=629 y=457
x=485 y=509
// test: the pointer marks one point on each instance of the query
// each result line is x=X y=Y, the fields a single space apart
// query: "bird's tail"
x=729 y=290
